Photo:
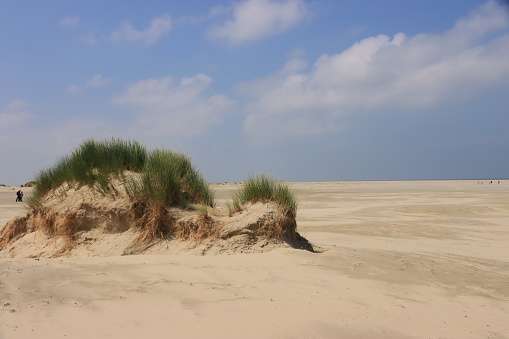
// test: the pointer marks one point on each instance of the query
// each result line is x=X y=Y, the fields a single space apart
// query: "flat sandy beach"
x=424 y=259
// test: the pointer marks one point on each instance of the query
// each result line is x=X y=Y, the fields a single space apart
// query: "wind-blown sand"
x=425 y=259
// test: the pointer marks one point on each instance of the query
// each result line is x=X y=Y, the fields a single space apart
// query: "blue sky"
x=301 y=90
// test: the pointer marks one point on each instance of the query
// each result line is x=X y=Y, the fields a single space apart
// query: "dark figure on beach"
x=19 y=196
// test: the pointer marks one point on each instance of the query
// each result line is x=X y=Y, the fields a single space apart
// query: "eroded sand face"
x=400 y=260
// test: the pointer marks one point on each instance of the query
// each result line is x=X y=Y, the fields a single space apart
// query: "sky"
x=301 y=90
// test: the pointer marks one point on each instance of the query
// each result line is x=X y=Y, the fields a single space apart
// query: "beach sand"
x=425 y=259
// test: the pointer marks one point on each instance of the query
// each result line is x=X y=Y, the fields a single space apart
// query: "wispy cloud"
x=90 y=38
x=382 y=72
x=256 y=19
x=355 y=30
x=196 y=19
x=69 y=22
x=165 y=106
x=157 y=28
x=14 y=114
x=95 y=81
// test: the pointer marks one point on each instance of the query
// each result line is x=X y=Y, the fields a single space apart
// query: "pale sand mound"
x=84 y=222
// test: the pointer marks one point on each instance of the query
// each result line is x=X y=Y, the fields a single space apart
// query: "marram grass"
x=166 y=177
x=262 y=188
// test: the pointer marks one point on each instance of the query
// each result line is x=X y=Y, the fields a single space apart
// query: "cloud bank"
x=380 y=73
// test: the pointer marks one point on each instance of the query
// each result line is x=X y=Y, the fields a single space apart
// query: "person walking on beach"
x=19 y=196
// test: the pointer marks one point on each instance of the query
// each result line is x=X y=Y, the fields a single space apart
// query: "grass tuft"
x=169 y=179
x=262 y=188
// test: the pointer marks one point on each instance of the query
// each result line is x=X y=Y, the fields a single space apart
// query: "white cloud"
x=381 y=72
x=156 y=30
x=95 y=81
x=70 y=22
x=164 y=106
x=256 y=19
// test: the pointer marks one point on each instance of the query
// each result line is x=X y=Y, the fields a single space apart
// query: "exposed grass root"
x=13 y=230
x=280 y=225
x=157 y=224
x=154 y=222
x=197 y=230
x=63 y=226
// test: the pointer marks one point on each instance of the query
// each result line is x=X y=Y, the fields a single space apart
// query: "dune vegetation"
x=115 y=185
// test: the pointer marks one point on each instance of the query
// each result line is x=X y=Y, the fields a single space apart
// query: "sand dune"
x=399 y=260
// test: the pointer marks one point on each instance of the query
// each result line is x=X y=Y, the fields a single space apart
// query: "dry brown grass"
x=160 y=224
x=60 y=226
x=282 y=225
x=156 y=223
x=197 y=229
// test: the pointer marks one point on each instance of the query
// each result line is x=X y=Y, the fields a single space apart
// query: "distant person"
x=19 y=195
